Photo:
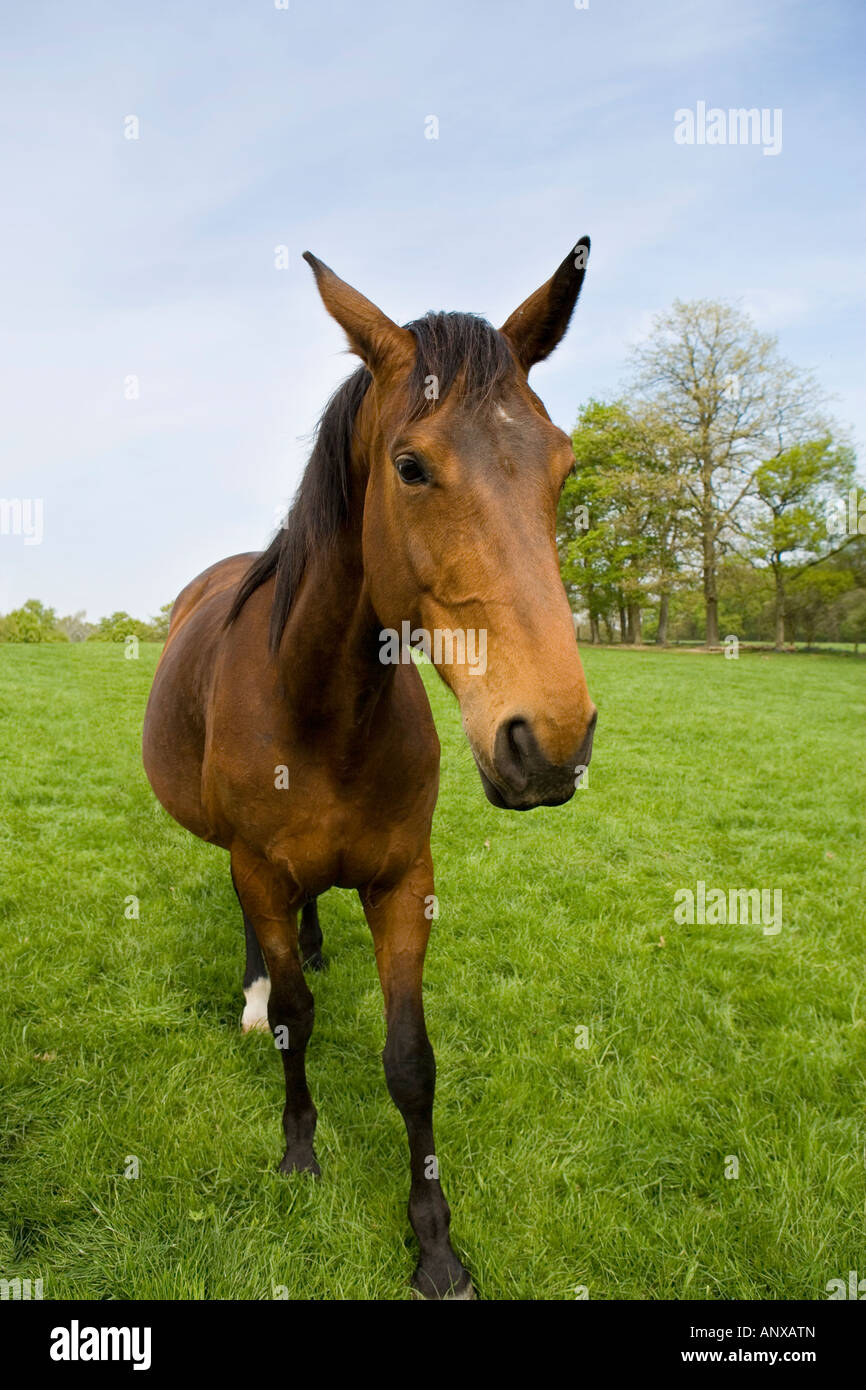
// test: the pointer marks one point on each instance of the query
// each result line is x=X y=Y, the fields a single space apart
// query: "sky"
x=161 y=371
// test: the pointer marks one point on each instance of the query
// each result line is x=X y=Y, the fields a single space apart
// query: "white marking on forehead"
x=503 y=415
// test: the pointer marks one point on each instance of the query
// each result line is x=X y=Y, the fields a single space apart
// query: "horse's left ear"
x=540 y=323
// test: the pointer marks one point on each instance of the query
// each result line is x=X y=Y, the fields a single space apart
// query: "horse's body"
x=275 y=730
x=361 y=776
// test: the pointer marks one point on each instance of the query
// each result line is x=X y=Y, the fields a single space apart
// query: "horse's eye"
x=410 y=470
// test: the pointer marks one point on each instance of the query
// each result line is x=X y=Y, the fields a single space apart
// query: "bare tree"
x=75 y=626
x=734 y=403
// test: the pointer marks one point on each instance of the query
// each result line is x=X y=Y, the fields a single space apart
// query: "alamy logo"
x=736 y=126
x=848 y=517
x=447 y=646
x=20 y=1288
x=22 y=516
x=855 y=1288
x=76 y=1343
x=738 y=906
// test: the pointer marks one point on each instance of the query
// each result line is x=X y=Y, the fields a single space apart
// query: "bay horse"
x=277 y=729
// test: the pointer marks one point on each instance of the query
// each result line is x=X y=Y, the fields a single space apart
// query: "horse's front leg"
x=269 y=903
x=400 y=925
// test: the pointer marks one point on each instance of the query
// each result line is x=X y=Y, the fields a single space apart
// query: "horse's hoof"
x=441 y=1289
x=465 y=1293
x=315 y=962
x=301 y=1163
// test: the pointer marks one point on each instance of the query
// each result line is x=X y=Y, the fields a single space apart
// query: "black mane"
x=446 y=345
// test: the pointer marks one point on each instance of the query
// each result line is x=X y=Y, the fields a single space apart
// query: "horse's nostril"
x=585 y=753
x=520 y=738
x=515 y=750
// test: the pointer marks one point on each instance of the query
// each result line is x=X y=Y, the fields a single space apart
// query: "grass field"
x=602 y=1167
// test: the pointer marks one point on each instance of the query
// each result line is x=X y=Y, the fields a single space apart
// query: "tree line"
x=34 y=622
x=714 y=488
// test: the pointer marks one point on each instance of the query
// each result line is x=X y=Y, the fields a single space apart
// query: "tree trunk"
x=711 y=598
x=634 y=631
x=591 y=608
x=708 y=547
x=623 y=625
x=662 y=633
x=595 y=635
x=780 y=610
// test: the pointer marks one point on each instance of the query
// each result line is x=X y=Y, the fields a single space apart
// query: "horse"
x=282 y=726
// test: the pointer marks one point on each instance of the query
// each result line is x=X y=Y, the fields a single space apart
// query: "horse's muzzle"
x=522 y=778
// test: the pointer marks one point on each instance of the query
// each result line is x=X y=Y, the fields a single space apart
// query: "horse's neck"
x=329 y=655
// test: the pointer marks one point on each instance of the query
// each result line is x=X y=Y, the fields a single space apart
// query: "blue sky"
x=305 y=127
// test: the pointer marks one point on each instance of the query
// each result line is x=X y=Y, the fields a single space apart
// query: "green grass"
x=602 y=1167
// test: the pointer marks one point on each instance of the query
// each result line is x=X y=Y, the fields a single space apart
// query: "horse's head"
x=465 y=471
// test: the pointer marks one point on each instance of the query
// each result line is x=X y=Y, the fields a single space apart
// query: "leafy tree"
x=745 y=599
x=118 y=627
x=813 y=600
x=852 y=617
x=793 y=491
x=618 y=513
x=159 y=624
x=31 y=623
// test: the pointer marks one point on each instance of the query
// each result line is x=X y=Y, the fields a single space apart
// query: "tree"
x=745 y=599
x=585 y=541
x=793 y=491
x=118 y=627
x=813 y=600
x=852 y=617
x=619 y=513
x=159 y=624
x=75 y=626
x=732 y=403
x=33 y=622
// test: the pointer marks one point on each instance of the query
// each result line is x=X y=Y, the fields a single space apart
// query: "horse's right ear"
x=535 y=328
x=376 y=339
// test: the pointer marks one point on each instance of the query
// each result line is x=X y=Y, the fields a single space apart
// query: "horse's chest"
x=346 y=846
x=333 y=811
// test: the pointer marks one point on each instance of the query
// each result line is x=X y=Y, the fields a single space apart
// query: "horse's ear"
x=540 y=323
x=372 y=335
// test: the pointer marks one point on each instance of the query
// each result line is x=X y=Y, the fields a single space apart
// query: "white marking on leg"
x=255 y=1014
